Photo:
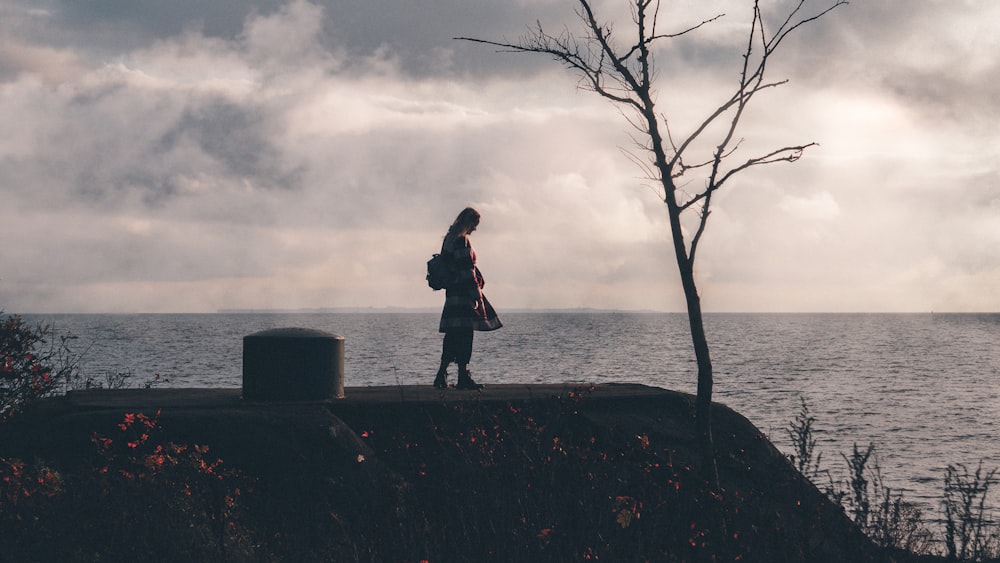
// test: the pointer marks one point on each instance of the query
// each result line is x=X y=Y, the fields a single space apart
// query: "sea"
x=923 y=388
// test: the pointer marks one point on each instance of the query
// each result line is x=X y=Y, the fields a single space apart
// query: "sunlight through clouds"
x=312 y=153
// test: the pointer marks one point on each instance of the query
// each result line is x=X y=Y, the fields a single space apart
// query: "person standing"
x=466 y=308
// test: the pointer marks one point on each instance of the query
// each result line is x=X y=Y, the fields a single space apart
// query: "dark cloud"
x=158 y=20
x=421 y=33
x=111 y=145
x=237 y=137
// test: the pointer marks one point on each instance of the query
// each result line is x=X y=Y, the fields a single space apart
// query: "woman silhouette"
x=466 y=309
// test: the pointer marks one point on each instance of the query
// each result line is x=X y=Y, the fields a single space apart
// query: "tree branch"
x=625 y=77
x=655 y=37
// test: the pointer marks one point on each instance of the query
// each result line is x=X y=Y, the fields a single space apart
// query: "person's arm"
x=462 y=261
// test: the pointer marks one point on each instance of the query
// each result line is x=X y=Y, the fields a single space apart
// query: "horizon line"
x=401 y=309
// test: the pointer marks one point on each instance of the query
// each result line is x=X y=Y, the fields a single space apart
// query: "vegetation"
x=970 y=533
x=134 y=498
x=32 y=364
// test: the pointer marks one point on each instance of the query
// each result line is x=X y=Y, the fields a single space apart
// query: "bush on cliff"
x=136 y=497
x=31 y=364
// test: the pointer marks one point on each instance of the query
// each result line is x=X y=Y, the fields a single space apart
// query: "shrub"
x=21 y=483
x=969 y=532
x=800 y=432
x=893 y=522
x=881 y=513
x=139 y=496
x=112 y=379
x=32 y=364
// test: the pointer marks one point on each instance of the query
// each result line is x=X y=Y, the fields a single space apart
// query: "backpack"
x=439 y=272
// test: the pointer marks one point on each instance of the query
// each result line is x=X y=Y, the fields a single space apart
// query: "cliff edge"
x=409 y=473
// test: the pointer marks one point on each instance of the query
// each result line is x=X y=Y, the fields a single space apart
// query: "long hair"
x=467 y=219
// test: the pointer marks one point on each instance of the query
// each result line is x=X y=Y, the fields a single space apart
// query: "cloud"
x=48 y=64
x=188 y=156
x=818 y=207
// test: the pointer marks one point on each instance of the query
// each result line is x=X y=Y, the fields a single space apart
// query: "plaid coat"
x=465 y=305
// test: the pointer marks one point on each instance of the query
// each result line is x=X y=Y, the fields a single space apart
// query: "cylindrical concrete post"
x=293 y=364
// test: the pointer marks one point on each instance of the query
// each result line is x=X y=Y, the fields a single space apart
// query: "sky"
x=190 y=156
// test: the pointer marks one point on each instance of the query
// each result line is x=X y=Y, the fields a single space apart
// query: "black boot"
x=441 y=379
x=465 y=381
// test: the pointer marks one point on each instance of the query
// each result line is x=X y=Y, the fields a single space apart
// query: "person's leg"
x=463 y=357
x=463 y=347
x=448 y=355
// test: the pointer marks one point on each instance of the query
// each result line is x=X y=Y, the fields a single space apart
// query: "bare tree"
x=625 y=74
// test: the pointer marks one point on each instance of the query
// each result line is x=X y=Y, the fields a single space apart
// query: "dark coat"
x=465 y=305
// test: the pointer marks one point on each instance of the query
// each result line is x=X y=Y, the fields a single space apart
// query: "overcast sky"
x=191 y=156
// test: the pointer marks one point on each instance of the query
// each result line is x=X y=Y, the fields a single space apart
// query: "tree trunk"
x=703 y=402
